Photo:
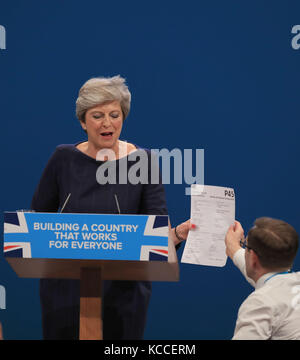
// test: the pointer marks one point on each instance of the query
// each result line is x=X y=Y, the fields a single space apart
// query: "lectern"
x=92 y=248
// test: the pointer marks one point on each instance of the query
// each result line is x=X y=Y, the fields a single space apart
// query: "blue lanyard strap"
x=280 y=273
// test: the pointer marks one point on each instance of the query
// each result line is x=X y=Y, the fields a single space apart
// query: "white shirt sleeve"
x=254 y=319
x=239 y=261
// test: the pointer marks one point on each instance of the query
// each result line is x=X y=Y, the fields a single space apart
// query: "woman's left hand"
x=182 y=231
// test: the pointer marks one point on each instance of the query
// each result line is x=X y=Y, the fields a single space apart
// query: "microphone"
x=65 y=203
x=117 y=202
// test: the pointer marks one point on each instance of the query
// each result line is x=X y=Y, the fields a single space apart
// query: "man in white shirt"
x=265 y=258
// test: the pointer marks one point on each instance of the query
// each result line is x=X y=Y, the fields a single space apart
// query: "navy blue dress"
x=125 y=303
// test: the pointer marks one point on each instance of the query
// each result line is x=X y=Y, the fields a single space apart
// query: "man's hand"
x=232 y=240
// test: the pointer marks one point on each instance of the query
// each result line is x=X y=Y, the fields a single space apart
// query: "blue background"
x=218 y=75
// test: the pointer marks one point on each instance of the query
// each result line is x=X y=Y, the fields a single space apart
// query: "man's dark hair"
x=274 y=241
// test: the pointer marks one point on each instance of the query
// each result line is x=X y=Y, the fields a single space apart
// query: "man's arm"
x=233 y=249
x=234 y=234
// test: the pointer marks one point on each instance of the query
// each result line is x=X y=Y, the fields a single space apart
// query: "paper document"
x=212 y=211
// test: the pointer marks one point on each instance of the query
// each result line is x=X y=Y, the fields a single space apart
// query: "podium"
x=92 y=248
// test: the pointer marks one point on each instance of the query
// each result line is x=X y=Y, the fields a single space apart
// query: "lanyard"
x=280 y=273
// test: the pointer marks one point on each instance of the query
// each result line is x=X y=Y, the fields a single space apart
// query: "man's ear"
x=254 y=260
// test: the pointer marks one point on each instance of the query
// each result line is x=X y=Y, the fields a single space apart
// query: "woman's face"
x=103 y=124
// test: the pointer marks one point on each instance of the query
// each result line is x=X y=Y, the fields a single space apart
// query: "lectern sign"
x=85 y=236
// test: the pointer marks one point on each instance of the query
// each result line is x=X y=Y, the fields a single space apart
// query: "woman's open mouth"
x=107 y=134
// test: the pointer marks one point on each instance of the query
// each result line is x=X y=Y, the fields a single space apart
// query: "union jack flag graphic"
x=15 y=222
x=17 y=249
x=156 y=226
x=154 y=253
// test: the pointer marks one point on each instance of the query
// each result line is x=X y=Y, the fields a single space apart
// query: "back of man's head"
x=275 y=242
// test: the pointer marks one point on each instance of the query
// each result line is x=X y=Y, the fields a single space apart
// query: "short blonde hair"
x=99 y=90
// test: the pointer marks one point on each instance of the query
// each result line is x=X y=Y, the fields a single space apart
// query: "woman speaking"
x=69 y=183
